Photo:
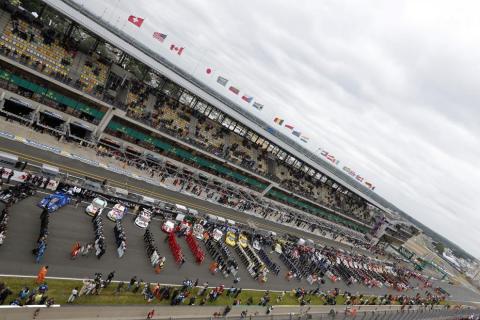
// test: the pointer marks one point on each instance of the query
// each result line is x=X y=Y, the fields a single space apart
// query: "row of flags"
x=161 y=37
x=234 y=90
x=138 y=21
x=294 y=132
x=330 y=157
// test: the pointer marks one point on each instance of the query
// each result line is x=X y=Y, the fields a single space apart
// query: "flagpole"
x=199 y=61
x=118 y=16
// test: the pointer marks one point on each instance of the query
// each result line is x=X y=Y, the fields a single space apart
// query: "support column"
x=270 y=186
x=104 y=122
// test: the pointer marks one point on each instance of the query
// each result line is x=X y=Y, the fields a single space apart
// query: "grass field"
x=61 y=289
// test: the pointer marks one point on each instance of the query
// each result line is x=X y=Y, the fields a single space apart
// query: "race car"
x=185 y=226
x=96 y=207
x=256 y=245
x=117 y=213
x=197 y=231
x=55 y=201
x=17 y=192
x=231 y=238
x=168 y=226
x=143 y=219
x=217 y=234
x=242 y=240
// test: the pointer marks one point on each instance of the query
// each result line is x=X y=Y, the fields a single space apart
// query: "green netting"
x=184 y=154
x=69 y=102
x=5 y=75
x=20 y=82
x=50 y=94
x=38 y=89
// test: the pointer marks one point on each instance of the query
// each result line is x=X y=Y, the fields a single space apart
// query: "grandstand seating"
x=93 y=76
x=27 y=42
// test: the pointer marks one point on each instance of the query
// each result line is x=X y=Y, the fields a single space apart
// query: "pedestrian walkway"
x=207 y=312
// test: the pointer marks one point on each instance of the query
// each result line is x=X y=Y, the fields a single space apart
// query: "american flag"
x=159 y=36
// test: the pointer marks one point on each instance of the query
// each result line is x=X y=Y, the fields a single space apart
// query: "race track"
x=80 y=169
x=71 y=224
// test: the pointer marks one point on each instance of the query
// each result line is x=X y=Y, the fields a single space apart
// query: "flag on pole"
x=208 y=71
x=136 y=20
x=159 y=36
x=234 y=90
x=296 y=133
x=247 y=98
x=278 y=121
x=221 y=80
x=289 y=126
x=369 y=185
x=258 y=106
x=178 y=50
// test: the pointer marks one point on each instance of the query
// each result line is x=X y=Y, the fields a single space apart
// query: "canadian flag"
x=136 y=20
x=178 y=50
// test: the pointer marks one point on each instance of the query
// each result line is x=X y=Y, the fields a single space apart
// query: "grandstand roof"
x=139 y=51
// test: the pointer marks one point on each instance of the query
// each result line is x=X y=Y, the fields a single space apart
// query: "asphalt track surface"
x=80 y=169
x=72 y=224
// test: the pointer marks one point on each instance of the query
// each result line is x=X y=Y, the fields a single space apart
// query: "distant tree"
x=439 y=247
x=15 y=2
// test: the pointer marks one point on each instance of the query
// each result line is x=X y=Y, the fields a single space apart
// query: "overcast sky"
x=390 y=88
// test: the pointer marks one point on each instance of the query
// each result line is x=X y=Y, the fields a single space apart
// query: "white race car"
x=168 y=226
x=143 y=219
x=96 y=207
x=198 y=231
x=256 y=245
x=117 y=213
x=217 y=234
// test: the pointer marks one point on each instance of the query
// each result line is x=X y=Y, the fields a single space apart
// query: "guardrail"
x=250 y=312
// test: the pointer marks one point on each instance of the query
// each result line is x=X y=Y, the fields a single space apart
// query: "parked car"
x=143 y=218
x=168 y=226
x=117 y=213
x=96 y=207
x=17 y=192
x=231 y=238
x=55 y=201
x=217 y=234
x=242 y=240
x=198 y=231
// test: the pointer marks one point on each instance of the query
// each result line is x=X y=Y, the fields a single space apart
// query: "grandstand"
x=79 y=79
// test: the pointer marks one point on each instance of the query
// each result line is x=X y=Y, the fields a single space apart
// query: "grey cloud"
x=389 y=88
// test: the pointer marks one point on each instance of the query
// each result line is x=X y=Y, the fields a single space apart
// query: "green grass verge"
x=60 y=290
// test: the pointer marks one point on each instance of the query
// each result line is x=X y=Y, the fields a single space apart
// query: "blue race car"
x=55 y=201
